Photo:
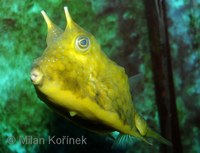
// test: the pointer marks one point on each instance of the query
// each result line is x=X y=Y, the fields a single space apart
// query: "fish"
x=75 y=78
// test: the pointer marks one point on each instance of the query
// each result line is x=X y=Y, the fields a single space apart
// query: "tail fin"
x=153 y=134
x=145 y=131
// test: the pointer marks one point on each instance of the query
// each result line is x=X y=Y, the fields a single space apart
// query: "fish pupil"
x=83 y=42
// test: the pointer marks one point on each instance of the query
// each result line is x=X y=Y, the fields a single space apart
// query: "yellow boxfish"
x=76 y=79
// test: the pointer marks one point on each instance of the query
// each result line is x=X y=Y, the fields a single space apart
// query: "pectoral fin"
x=72 y=113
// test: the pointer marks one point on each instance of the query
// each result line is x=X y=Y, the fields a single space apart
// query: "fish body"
x=76 y=79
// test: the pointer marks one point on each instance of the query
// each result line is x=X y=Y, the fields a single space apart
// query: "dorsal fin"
x=136 y=83
x=53 y=31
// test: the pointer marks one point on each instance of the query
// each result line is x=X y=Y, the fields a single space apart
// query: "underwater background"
x=159 y=39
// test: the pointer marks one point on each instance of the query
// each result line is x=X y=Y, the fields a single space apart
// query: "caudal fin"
x=145 y=130
x=158 y=137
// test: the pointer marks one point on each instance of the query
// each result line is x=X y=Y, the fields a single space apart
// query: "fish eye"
x=82 y=43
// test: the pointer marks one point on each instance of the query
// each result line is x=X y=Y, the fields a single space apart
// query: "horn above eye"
x=53 y=30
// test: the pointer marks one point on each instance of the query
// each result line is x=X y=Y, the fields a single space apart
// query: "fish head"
x=68 y=60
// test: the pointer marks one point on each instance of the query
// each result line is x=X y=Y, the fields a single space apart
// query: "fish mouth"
x=36 y=76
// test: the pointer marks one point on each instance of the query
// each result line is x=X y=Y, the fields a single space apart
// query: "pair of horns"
x=50 y=23
x=54 y=31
